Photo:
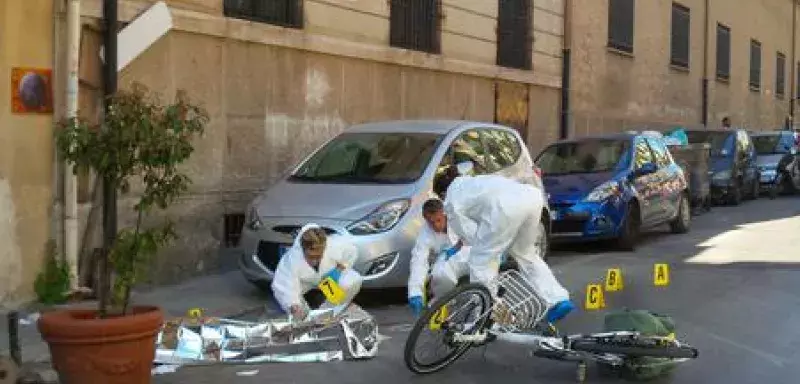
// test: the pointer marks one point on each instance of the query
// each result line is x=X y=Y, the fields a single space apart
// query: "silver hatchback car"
x=369 y=183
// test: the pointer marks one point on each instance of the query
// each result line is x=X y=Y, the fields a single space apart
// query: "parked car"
x=370 y=182
x=613 y=187
x=777 y=161
x=734 y=168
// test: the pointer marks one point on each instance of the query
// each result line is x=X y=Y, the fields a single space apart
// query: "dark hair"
x=432 y=206
x=443 y=180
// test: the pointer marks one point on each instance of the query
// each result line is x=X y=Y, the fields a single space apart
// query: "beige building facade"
x=26 y=150
x=643 y=63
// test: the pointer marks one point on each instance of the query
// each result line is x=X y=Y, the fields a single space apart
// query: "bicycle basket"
x=517 y=306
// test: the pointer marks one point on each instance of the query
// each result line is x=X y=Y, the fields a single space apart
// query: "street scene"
x=325 y=191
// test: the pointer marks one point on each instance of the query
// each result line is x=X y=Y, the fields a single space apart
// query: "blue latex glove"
x=415 y=302
x=449 y=252
x=334 y=274
x=559 y=311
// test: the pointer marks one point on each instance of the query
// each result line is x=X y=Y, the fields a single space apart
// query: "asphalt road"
x=734 y=293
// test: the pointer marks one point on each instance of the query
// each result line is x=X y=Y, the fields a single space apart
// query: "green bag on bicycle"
x=646 y=323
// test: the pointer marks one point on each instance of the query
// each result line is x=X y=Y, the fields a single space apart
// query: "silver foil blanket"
x=337 y=334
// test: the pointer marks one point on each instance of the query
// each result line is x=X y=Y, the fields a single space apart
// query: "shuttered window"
x=620 y=24
x=755 y=65
x=679 y=40
x=286 y=13
x=723 y=52
x=414 y=24
x=514 y=33
x=780 y=75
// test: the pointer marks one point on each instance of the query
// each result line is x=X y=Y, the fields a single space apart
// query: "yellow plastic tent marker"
x=594 y=297
x=332 y=291
x=614 y=280
x=661 y=275
x=438 y=318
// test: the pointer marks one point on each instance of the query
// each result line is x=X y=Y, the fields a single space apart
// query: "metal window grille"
x=755 y=65
x=414 y=24
x=232 y=226
x=621 y=16
x=514 y=33
x=780 y=75
x=723 y=52
x=679 y=53
x=285 y=13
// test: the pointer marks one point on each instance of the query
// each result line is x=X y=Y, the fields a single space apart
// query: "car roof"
x=628 y=135
x=715 y=130
x=772 y=133
x=419 y=126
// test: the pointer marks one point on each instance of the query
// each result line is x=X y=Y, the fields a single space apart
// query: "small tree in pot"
x=144 y=141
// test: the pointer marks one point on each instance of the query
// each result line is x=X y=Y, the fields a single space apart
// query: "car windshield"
x=773 y=144
x=375 y=158
x=590 y=156
x=718 y=141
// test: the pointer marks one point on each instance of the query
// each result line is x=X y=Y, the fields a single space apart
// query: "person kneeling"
x=314 y=257
x=450 y=254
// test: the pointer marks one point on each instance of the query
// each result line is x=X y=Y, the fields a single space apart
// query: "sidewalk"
x=225 y=295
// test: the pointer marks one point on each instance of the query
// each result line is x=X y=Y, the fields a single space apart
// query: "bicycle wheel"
x=468 y=309
x=633 y=349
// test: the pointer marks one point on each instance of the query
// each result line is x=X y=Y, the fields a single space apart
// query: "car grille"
x=291 y=230
x=567 y=226
x=268 y=254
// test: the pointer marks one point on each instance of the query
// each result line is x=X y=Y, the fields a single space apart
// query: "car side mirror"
x=645 y=169
x=465 y=167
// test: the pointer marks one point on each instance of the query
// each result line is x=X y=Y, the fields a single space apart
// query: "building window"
x=286 y=13
x=414 y=24
x=780 y=75
x=620 y=24
x=232 y=226
x=723 y=52
x=679 y=41
x=755 y=65
x=514 y=33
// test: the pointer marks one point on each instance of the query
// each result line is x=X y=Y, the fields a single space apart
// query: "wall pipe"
x=566 y=65
x=704 y=86
x=71 y=246
x=793 y=67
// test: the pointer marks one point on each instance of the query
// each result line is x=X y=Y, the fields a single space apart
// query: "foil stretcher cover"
x=341 y=333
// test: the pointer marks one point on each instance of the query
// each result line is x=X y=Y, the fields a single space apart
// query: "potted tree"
x=142 y=143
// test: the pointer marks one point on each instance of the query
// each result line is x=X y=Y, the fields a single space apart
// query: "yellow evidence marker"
x=661 y=275
x=194 y=313
x=438 y=318
x=332 y=291
x=614 y=280
x=594 y=297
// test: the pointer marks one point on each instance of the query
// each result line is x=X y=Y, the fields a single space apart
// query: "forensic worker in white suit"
x=440 y=247
x=496 y=216
x=313 y=257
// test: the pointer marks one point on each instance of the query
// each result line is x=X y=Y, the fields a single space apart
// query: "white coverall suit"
x=445 y=273
x=294 y=277
x=497 y=215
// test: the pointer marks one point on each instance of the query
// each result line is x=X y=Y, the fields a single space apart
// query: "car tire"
x=682 y=223
x=629 y=235
x=735 y=197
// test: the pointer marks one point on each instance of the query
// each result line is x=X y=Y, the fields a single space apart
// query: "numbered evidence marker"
x=194 y=313
x=332 y=291
x=594 y=297
x=661 y=275
x=614 y=280
x=438 y=318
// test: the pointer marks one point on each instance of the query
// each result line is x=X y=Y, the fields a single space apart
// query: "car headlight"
x=722 y=175
x=252 y=219
x=382 y=264
x=382 y=219
x=603 y=192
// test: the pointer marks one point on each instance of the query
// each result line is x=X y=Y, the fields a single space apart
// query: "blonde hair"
x=313 y=238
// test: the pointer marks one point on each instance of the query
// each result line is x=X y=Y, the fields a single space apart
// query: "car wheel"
x=629 y=234
x=683 y=221
x=735 y=197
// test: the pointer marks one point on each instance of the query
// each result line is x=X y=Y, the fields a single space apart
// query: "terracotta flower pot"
x=88 y=350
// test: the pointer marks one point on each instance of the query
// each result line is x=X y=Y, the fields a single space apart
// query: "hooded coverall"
x=496 y=216
x=294 y=276
x=445 y=273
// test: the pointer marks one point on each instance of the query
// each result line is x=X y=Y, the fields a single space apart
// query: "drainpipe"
x=704 y=90
x=793 y=67
x=70 y=179
x=566 y=64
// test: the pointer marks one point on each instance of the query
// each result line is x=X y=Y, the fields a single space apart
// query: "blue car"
x=613 y=187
